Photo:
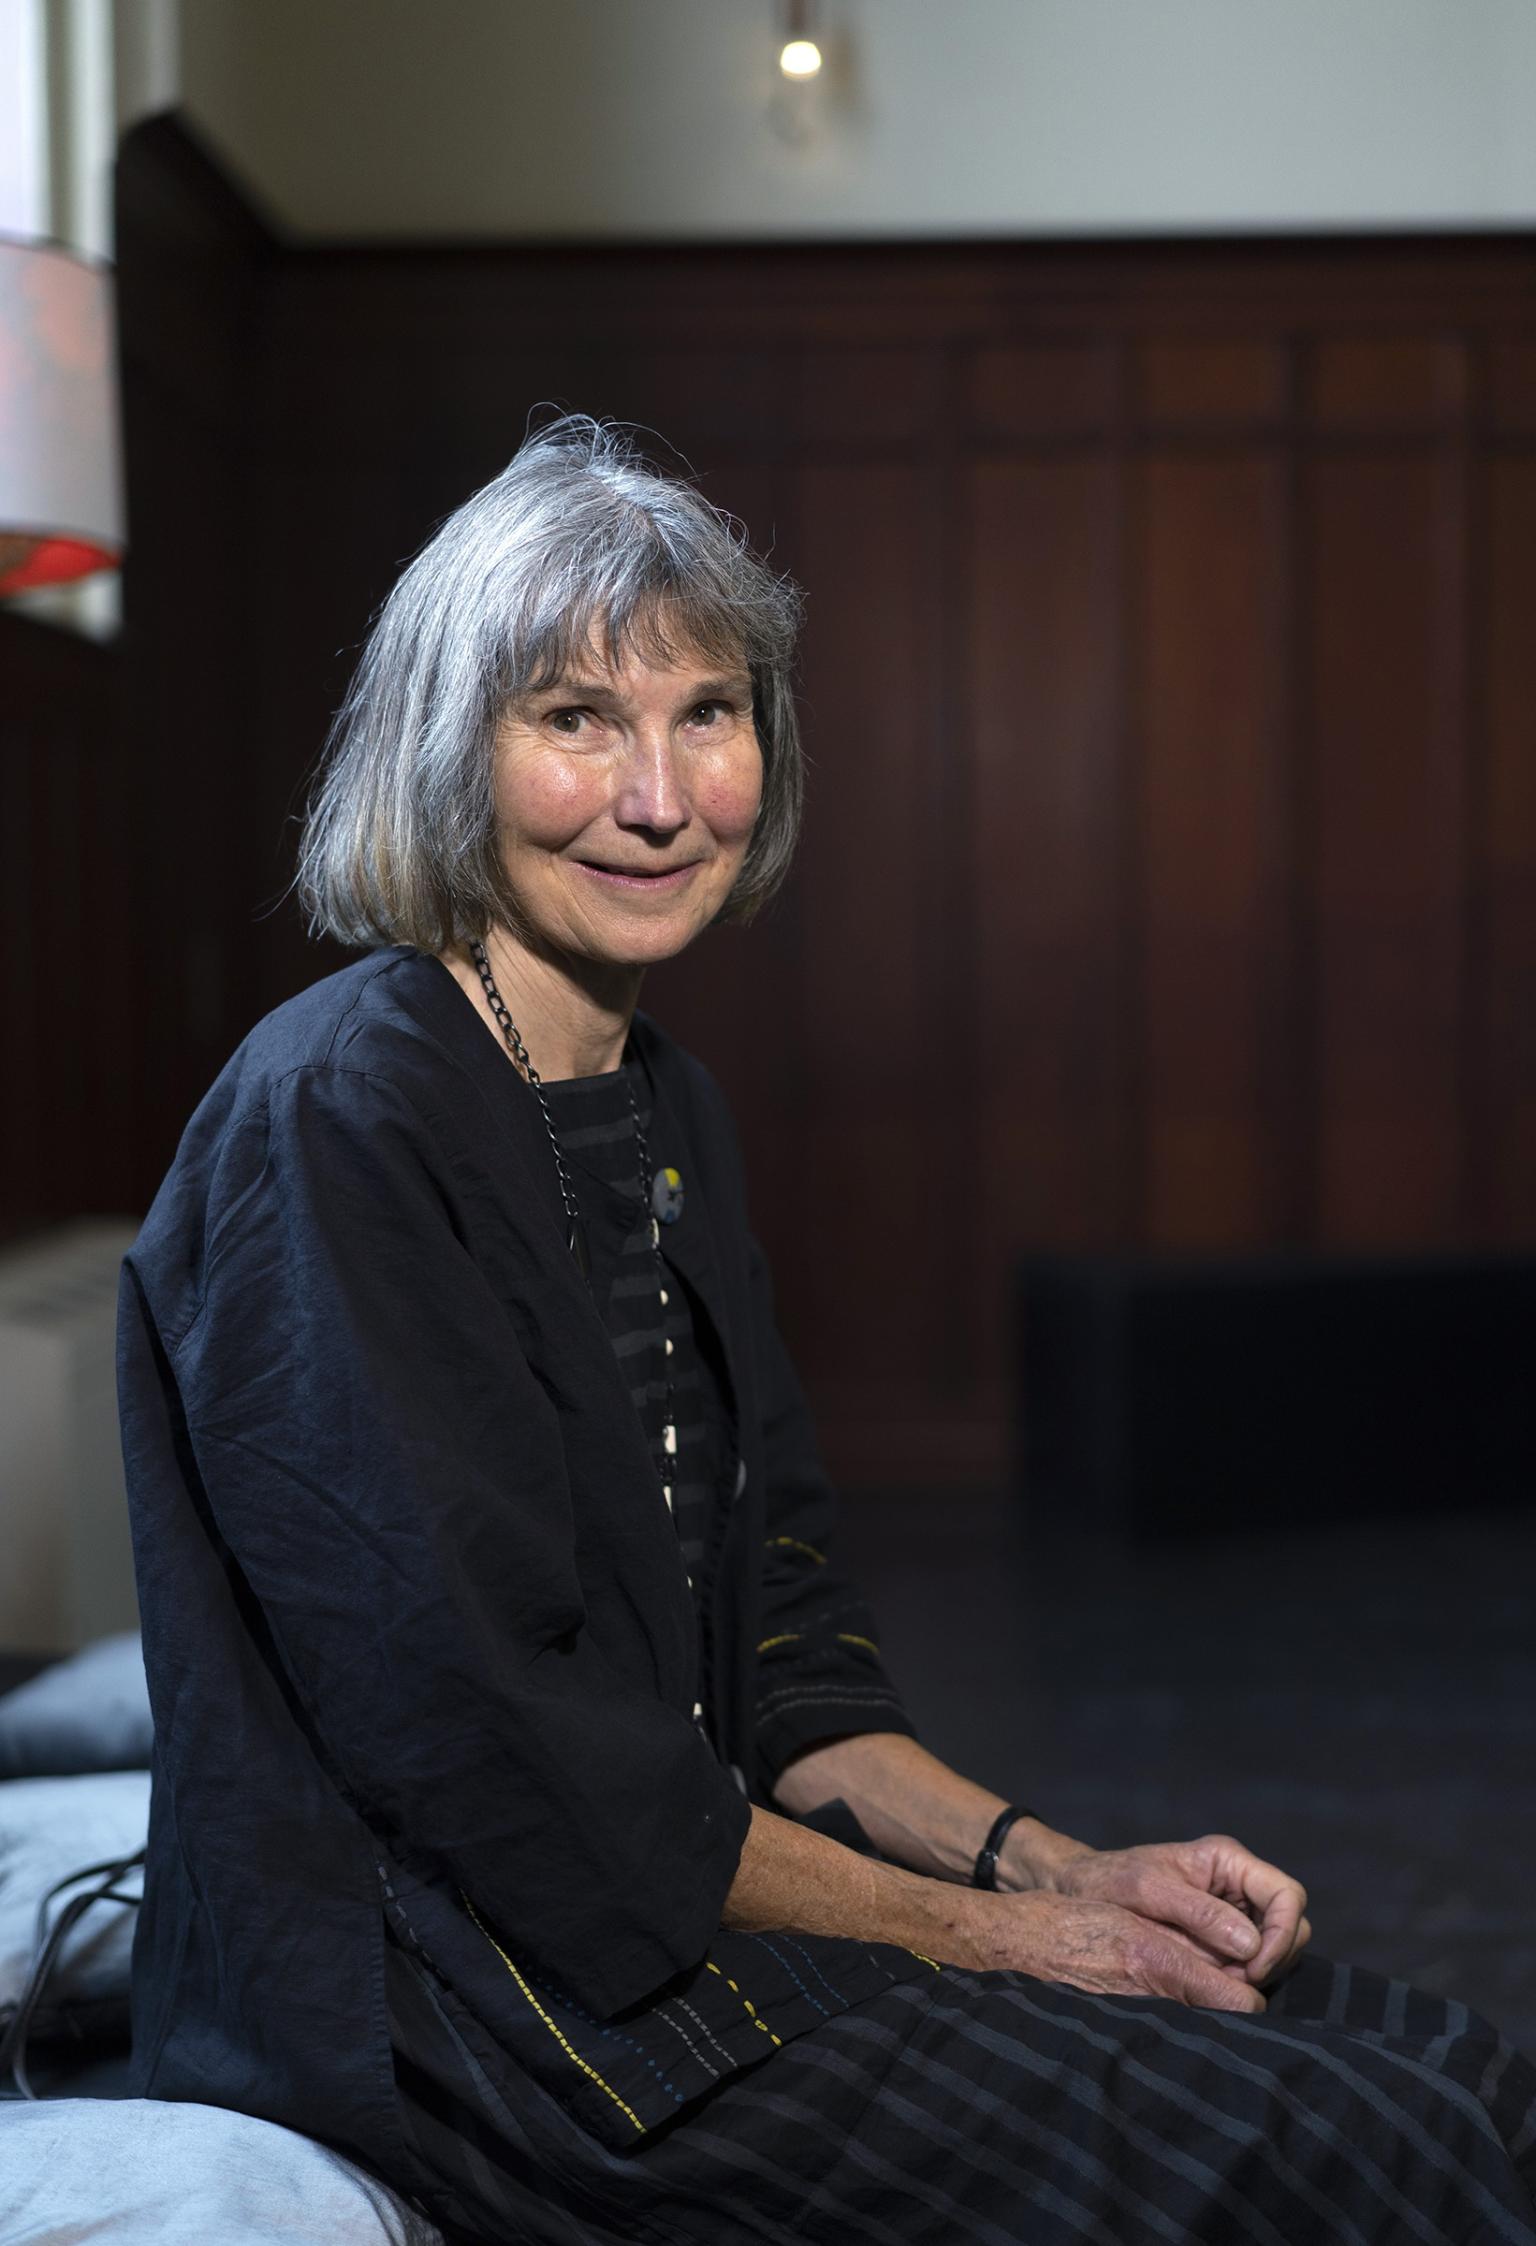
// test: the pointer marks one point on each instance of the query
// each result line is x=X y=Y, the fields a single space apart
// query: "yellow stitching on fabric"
x=785 y=1637
x=850 y=1638
x=747 y=2001
x=548 y=2022
x=926 y=1960
x=795 y=1545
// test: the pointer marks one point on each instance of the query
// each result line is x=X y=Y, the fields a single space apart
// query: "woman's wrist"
x=1034 y=1854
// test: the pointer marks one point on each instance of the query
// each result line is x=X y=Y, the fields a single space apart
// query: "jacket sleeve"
x=389 y=1476
x=819 y=1669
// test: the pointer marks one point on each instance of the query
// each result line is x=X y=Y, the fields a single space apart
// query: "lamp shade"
x=61 y=506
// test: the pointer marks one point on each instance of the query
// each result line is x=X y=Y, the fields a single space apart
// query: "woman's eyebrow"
x=570 y=689
x=736 y=684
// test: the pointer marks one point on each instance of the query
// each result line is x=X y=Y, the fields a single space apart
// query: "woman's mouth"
x=639 y=880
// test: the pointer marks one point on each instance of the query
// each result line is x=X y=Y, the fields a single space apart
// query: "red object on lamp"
x=48 y=561
x=61 y=514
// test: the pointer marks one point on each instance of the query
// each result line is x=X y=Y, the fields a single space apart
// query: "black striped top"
x=595 y=1126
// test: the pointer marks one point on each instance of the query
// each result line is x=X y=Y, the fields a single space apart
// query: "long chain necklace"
x=575 y=1230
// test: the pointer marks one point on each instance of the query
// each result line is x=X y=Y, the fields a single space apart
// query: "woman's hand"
x=1101 y=1947
x=1246 y=1915
x=790 y=1876
x=1174 y=1919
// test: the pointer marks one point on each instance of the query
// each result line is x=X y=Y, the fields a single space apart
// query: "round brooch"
x=667 y=1195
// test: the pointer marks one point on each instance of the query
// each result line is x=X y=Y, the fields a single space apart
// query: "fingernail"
x=1246 y=1940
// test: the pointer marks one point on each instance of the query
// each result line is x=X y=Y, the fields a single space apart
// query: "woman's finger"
x=1302 y=1937
x=1278 y=1900
x=1217 y=1925
x=1282 y=1919
x=1167 y=1967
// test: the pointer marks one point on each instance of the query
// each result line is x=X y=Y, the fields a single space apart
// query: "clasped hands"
x=1204 y=1921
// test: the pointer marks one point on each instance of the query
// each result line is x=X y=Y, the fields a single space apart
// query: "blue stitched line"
x=815 y=1968
x=610 y=2035
x=785 y=1966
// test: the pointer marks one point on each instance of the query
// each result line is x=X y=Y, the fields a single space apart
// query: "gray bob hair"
x=580 y=542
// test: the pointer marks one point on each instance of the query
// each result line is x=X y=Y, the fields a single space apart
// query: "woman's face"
x=625 y=799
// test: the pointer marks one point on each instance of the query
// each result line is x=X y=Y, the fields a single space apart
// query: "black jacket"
x=417 y=1628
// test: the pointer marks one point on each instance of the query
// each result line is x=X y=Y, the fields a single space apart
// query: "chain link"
x=519 y=1052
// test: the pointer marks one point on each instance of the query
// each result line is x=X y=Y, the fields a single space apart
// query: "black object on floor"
x=1165 y=1394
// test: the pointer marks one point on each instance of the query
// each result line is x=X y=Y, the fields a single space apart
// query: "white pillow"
x=51 y=1828
x=90 y=1712
x=141 y=2173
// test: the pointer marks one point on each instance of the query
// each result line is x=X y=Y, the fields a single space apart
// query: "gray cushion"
x=88 y=1713
x=49 y=1829
x=144 y=2174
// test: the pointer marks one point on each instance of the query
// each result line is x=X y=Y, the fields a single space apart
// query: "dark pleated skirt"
x=993 y=2107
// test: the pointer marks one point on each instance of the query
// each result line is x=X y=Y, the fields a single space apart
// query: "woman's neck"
x=572 y=1015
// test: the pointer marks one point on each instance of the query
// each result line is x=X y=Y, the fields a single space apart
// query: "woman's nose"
x=651 y=793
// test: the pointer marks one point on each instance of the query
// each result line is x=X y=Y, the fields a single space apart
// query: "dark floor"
x=1358 y=1705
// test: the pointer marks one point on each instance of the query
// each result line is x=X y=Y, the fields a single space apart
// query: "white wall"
x=650 y=117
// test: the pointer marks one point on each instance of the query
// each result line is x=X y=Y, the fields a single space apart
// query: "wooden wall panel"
x=1214 y=385
x=1511 y=385
x=1042 y=709
x=1043 y=390
x=1170 y=877
x=72 y=965
x=1379 y=384
x=1215 y=849
x=1385 y=787
x=870 y=891
x=191 y=343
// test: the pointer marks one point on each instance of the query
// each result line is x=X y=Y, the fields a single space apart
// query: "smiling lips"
x=638 y=878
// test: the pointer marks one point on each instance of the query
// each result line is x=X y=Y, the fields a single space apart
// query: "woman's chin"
x=640 y=937
x=636 y=944
x=648 y=947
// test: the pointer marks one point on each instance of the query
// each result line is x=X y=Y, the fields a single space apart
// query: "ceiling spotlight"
x=800 y=58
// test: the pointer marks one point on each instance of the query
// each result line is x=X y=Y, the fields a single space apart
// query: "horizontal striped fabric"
x=995 y=2108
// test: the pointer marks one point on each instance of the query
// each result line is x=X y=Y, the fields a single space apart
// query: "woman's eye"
x=705 y=713
x=566 y=721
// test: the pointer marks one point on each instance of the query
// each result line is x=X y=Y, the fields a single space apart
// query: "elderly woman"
x=534 y=1819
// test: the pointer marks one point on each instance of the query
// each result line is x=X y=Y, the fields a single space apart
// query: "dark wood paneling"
x=1211 y=386
x=196 y=638
x=1171 y=870
x=1041 y=716
x=871 y=1111
x=1215 y=849
x=1415 y=382
x=1386 y=848
x=72 y=968
x=1512 y=385
x=1042 y=390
